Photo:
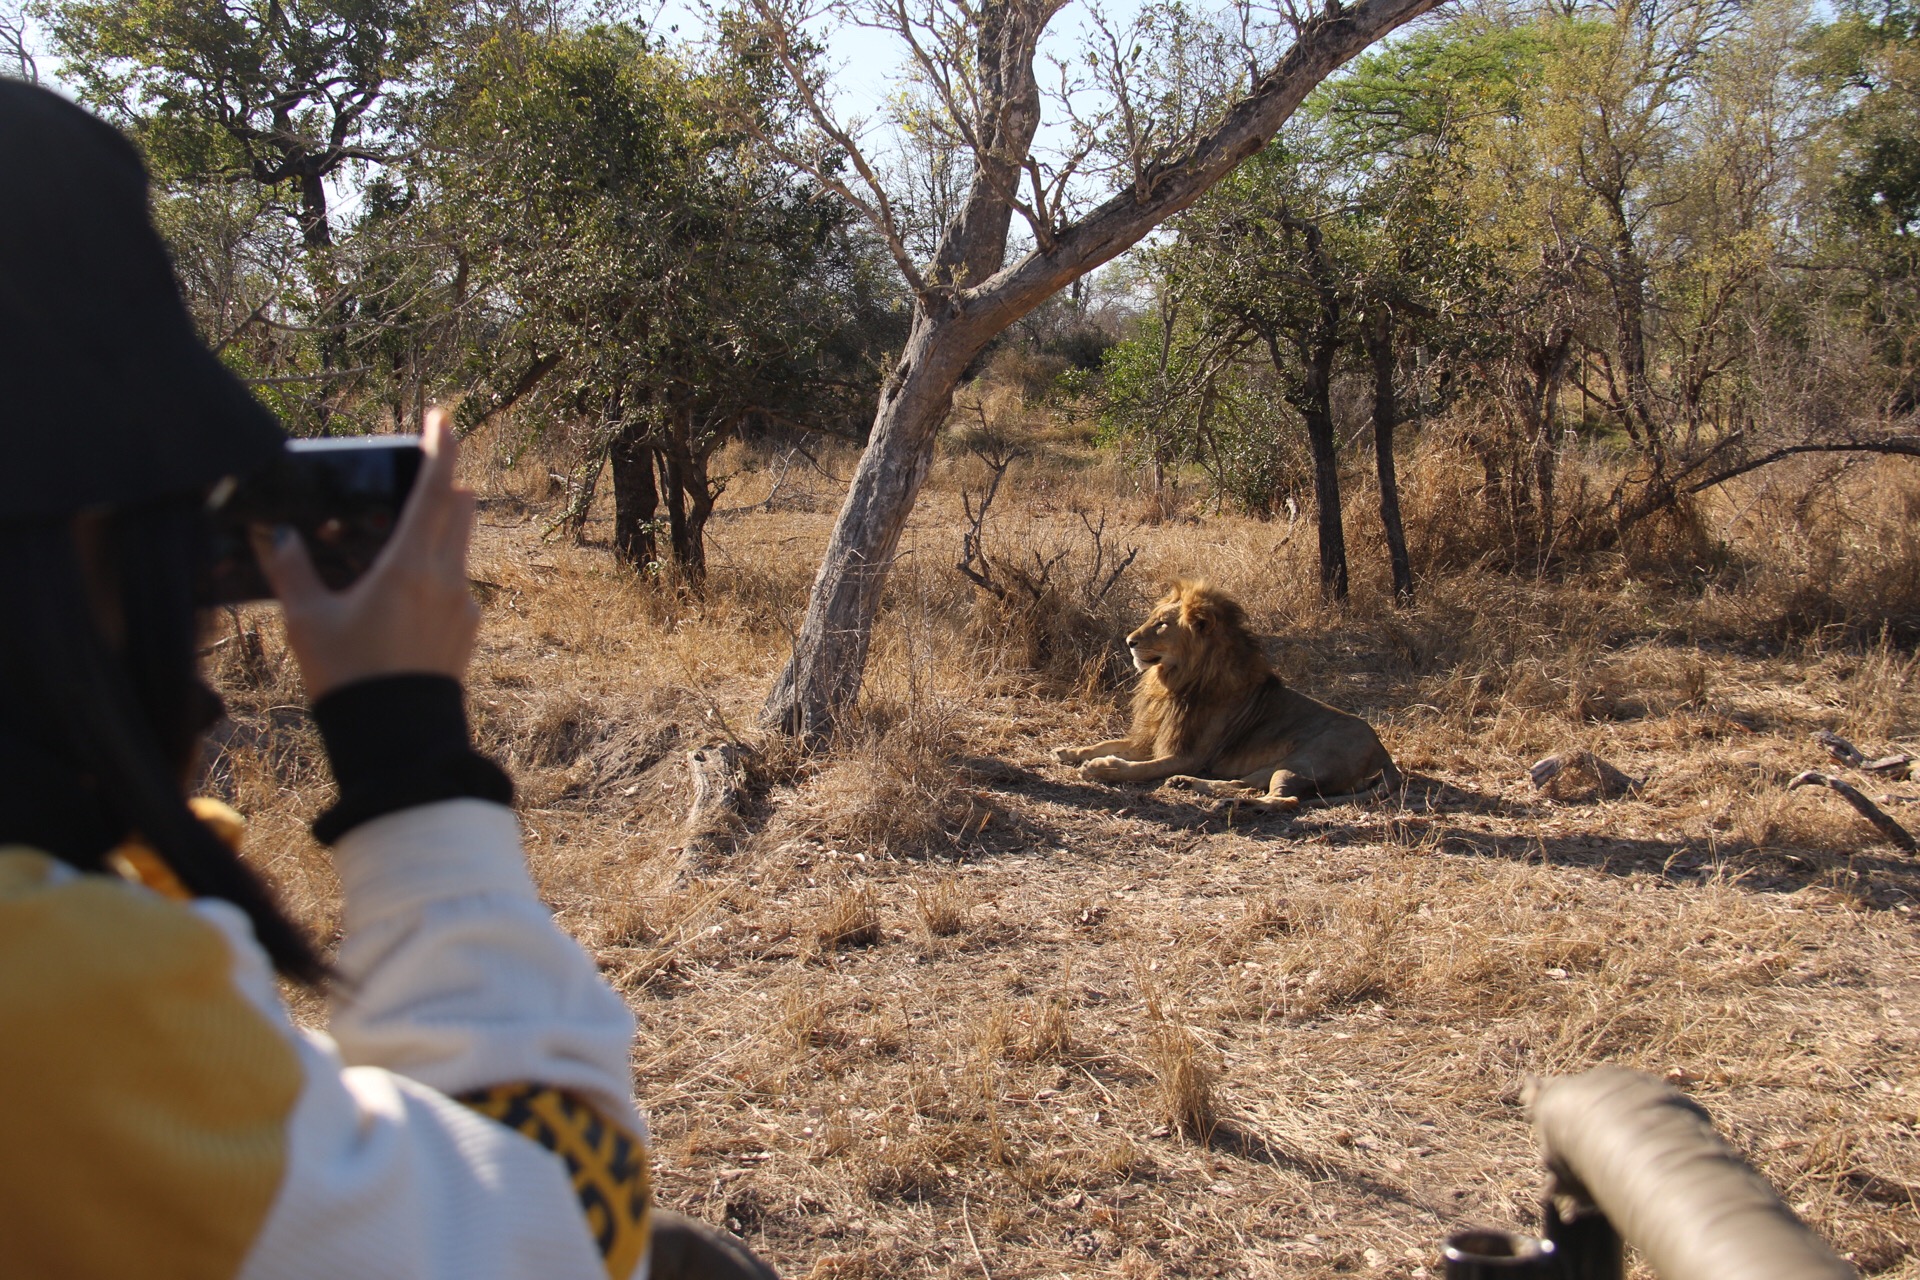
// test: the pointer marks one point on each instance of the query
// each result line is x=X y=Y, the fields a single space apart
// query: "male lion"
x=1209 y=705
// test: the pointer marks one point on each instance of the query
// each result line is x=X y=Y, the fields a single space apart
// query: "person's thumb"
x=289 y=570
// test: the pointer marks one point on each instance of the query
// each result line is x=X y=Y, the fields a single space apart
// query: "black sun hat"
x=107 y=395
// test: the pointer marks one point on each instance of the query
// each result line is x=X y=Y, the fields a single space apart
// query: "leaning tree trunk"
x=830 y=653
x=1386 y=418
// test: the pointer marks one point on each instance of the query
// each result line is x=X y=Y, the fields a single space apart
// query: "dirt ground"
x=939 y=1007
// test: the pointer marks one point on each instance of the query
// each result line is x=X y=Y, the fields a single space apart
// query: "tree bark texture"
x=673 y=489
x=315 y=229
x=973 y=295
x=1546 y=367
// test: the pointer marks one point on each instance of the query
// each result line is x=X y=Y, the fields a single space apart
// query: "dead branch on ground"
x=1872 y=812
x=1897 y=767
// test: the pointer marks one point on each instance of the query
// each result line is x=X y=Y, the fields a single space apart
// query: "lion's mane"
x=1222 y=672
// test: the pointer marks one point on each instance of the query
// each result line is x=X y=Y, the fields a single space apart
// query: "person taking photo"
x=467 y=1114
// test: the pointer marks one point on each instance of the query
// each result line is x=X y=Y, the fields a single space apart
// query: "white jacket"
x=181 y=1124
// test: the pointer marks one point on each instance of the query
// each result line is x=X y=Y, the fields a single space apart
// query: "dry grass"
x=943 y=907
x=947 y=1009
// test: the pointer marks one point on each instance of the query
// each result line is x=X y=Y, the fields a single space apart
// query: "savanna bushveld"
x=1541 y=381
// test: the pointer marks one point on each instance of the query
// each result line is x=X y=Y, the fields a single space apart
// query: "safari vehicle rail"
x=1630 y=1158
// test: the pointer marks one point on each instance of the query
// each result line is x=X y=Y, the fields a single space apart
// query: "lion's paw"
x=1187 y=782
x=1067 y=755
x=1105 y=769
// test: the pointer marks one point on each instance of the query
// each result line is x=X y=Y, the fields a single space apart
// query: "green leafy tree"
x=1867 y=59
x=284 y=92
x=653 y=281
x=1343 y=246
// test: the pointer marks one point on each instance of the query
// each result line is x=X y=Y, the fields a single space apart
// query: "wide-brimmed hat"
x=107 y=394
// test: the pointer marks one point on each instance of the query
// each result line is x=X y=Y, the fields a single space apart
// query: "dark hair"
x=122 y=721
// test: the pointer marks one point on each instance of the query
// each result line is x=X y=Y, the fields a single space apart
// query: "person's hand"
x=411 y=612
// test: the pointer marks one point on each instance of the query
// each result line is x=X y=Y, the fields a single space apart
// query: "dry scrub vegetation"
x=942 y=1008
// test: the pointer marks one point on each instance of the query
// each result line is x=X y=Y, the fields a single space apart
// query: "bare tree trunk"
x=1326 y=474
x=1386 y=418
x=1546 y=367
x=673 y=492
x=1317 y=343
x=1627 y=278
x=315 y=230
x=830 y=653
x=700 y=493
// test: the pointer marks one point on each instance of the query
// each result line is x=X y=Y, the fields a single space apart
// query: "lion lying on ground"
x=1210 y=714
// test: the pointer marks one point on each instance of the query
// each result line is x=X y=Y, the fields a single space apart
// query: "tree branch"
x=1324 y=43
x=878 y=210
x=1902 y=446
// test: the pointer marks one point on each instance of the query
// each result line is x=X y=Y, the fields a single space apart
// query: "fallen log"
x=1610 y=781
x=1872 y=812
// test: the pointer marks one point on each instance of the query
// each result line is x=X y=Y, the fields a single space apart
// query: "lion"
x=1211 y=715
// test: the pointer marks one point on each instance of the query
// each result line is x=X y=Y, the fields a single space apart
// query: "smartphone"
x=342 y=495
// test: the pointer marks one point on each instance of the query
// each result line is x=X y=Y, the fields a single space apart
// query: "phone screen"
x=342 y=496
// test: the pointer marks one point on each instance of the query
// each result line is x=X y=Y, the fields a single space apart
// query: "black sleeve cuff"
x=396 y=742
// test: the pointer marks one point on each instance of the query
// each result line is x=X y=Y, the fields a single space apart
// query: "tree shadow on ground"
x=1418 y=818
x=1234 y=1138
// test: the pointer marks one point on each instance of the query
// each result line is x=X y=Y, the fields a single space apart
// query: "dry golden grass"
x=946 y=1009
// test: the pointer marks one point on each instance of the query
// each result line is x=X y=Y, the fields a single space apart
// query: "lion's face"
x=1166 y=640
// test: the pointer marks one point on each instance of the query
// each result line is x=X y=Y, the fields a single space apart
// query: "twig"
x=966 y=1220
x=1899 y=835
x=1897 y=767
x=973 y=539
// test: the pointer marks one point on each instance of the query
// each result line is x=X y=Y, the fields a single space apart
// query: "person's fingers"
x=288 y=568
x=436 y=425
x=452 y=529
x=441 y=449
x=427 y=506
x=455 y=535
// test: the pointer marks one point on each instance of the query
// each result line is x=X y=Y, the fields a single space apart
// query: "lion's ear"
x=1200 y=618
